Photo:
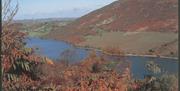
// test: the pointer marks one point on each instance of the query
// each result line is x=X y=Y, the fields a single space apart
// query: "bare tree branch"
x=9 y=10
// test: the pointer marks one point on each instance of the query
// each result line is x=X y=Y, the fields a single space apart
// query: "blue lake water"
x=169 y=66
x=57 y=50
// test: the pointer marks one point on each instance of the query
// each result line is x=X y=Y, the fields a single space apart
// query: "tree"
x=17 y=60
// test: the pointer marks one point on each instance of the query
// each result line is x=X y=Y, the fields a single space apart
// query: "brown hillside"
x=123 y=15
x=131 y=15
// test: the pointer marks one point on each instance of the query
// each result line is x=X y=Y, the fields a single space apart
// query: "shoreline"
x=101 y=50
x=135 y=55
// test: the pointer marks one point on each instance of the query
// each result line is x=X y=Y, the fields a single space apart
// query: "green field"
x=38 y=32
x=40 y=28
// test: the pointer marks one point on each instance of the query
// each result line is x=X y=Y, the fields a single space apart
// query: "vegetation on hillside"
x=22 y=70
x=136 y=26
x=18 y=62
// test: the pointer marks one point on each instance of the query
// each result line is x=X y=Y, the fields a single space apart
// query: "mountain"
x=131 y=15
x=123 y=15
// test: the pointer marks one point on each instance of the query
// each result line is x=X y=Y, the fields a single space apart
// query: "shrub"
x=18 y=62
x=163 y=83
x=96 y=67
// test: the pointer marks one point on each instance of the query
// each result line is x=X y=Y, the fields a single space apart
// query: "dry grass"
x=132 y=42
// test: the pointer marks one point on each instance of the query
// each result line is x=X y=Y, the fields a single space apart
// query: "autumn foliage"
x=25 y=71
x=18 y=62
x=92 y=74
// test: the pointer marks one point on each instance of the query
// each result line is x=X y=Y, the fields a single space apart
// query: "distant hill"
x=39 y=27
x=44 y=20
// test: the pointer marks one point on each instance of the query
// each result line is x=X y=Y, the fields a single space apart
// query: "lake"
x=57 y=50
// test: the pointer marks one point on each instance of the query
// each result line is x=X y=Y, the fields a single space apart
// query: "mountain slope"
x=131 y=15
x=123 y=15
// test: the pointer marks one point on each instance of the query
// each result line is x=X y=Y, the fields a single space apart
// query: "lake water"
x=60 y=50
x=55 y=49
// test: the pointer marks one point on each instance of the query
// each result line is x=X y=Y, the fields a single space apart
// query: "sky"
x=34 y=9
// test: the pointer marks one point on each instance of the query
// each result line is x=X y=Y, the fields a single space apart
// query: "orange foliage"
x=81 y=77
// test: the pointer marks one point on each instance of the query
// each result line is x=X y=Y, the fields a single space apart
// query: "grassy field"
x=40 y=28
x=136 y=42
x=39 y=31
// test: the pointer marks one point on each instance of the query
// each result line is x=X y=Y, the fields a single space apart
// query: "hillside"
x=39 y=27
x=131 y=15
x=123 y=15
